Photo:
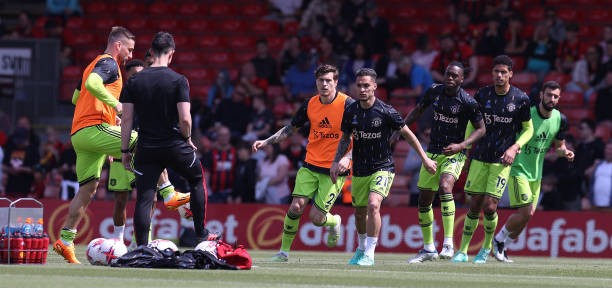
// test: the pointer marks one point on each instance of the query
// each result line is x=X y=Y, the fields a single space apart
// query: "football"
x=162 y=244
x=111 y=250
x=93 y=253
x=208 y=246
x=185 y=212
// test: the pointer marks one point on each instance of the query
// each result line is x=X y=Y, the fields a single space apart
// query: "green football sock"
x=489 y=223
x=426 y=218
x=290 y=228
x=447 y=204
x=67 y=235
x=330 y=220
x=166 y=191
x=469 y=226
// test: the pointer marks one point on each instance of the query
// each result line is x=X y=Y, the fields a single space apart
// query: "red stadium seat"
x=484 y=78
x=220 y=10
x=167 y=24
x=161 y=8
x=603 y=131
x=275 y=43
x=558 y=77
x=534 y=14
x=189 y=9
x=84 y=39
x=577 y=114
x=592 y=101
x=187 y=57
x=129 y=8
x=265 y=27
x=568 y=14
x=419 y=28
x=519 y=63
x=242 y=43
x=291 y=28
x=220 y=59
x=231 y=25
x=254 y=10
x=484 y=63
x=404 y=13
x=401 y=148
x=524 y=80
x=242 y=57
x=182 y=41
x=72 y=73
x=67 y=89
x=212 y=42
x=136 y=23
x=598 y=15
x=199 y=25
x=199 y=75
x=76 y=23
x=274 y=92
x=95 y=7
x=105 y=23
x=381 y=93
x=571 y=99
x=199 y=92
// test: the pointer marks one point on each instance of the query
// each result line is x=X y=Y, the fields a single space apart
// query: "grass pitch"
x=317 y=269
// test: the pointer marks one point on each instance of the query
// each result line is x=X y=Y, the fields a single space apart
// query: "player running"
x=324 y=112
x=526 y=174
x=452 y=109
x=371 y=123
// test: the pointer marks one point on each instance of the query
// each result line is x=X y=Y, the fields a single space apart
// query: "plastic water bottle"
x=26 y=229
x=38 y=227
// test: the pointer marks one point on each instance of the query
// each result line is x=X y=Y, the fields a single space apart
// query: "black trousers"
x=150 y=162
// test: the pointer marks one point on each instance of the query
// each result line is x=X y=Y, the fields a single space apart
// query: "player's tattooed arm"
x=343 y=146
x=280 y=135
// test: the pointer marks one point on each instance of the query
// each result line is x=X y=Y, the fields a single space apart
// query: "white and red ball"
x=112 y=249
x=162 y=244
x=93 y=253
x=208 y=246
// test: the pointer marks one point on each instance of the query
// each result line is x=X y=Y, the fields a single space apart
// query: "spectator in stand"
x=234 y=113
x=67 y=168
x=359 y=59
x=19 y=162
x=589 y=149
x=516 y=42
x=344 y=40
x=133 y=66
x=569 y=179
x=411 y=78
x=388 y=64
x=607 y=36
x=608 y=64
x=314 y=13
x=601 y=179
x=491 y=42
x=273 y=174
x=569 y=50
x=66 y=57
x=262 y=121
x=285 y=10
x=463 y=31
x=550 y=198
x=555 y=26
x=451 y=51
x=23 y=29
x=64 y=8
x=2 y=34
x=219 y=166
x=245 y=176
x=372 y=29
x=300 y=79
x=588 y=73
x=148 y=58
x=289 y=54
x=252 y=84
x=51 y=150
x=412 y=165
x=424 y=54
x=541 y=52
x=25 y=123
x=221 y=89
x=604 y=100
x=326 y=54
x=265 y=65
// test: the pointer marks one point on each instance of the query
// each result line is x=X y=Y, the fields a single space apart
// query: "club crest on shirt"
x=511 y=107
x=454 y=109
x=376 y=122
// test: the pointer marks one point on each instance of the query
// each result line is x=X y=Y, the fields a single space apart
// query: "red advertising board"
x=553 y=234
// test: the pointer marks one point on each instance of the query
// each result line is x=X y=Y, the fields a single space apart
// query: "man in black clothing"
x=159 y=97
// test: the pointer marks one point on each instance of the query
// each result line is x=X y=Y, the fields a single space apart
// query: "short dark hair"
x=366 y=72
x=326 y=68
x=162 y=43
x=134 y=63
x=552 y=85
x=119 y=33
x=458 y=65
x=503 y=60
